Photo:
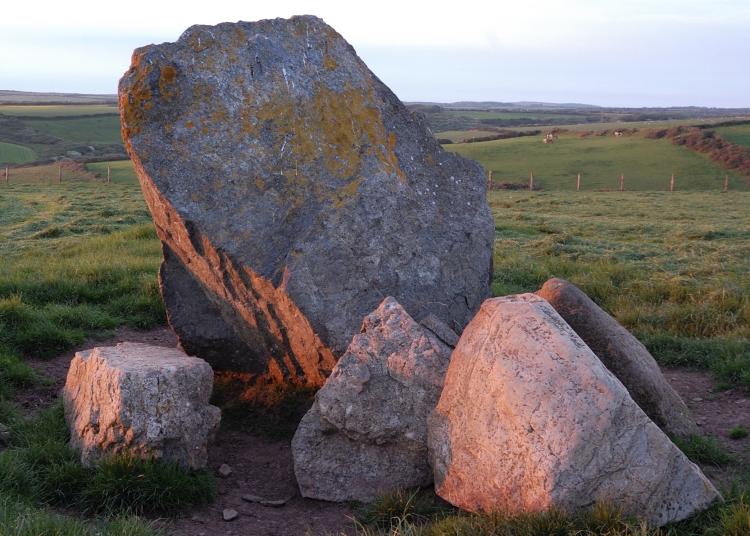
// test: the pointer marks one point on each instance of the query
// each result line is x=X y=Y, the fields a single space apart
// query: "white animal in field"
x=618 y=133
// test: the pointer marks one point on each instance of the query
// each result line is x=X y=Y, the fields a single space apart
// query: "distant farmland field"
x=86 y=129
x=15 y=154
x=58 y=110
x=489 y=114
x=739 y=134
x=601 y=160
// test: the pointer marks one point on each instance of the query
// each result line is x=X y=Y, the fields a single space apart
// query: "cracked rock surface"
x=530 y=418
x=292 y=191
x=367 y=430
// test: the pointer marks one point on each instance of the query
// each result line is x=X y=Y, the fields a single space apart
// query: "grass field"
x=88 y=129
x=58 y=110
x=46 y=174
x=739 y=134
x=121 y=171
x=75 y=259
x=601 y=160
x=79 y=259
x=15 y=154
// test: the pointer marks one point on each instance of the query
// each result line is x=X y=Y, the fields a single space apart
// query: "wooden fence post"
x=108 y=174
x=622 y=183
x=578 y=184
x=531 y=182
x=671 y=184
x=6 y=174
x=726 y=183
x=59 y=173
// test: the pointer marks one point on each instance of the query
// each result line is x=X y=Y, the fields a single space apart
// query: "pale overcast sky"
x=610 y=53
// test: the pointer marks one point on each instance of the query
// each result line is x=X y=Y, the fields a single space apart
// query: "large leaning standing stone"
x=367 y=430
x=292 y=191
x=623 y=355
x=530 y=418
x=145 y=400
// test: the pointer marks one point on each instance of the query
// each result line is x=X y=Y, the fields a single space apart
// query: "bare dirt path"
x=264 y=469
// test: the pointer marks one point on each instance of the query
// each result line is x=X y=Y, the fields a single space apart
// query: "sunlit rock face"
x=623 y=355
x=367 y=430
x=296 y=191
x=148 y=401
x=530 y=418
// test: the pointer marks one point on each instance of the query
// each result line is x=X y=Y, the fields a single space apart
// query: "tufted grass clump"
x=738 y=432
x=21 y=519
x=706 y=450
x=415 y=516
x=401 y=507
x=38 y=468
x=134 y=486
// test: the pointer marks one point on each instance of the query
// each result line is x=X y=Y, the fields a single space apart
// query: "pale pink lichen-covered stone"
x=530 y=418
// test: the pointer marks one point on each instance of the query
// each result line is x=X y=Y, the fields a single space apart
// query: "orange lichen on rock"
x=135 y=103
x=168 y=73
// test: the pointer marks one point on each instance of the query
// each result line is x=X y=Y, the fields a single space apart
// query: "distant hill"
x=20 y=98
x=493 y=105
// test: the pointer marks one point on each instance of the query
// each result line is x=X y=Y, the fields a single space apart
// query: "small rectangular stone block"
x=149 y=401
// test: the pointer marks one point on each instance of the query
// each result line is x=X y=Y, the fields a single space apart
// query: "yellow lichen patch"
x=330 y=63
x=392 y=139
x=430 y=160
x=347 y=192
x=189 y=124
x=168 y=128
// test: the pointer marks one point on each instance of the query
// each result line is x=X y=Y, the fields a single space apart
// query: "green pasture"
x=59 y=110
x=47 y=174
x=86 y=129
x=601 y=160
x=121 y=171
x=14 y=154
x=739 y=134
x=77 y=260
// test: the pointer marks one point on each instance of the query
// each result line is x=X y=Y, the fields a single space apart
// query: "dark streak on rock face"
x=292 y=192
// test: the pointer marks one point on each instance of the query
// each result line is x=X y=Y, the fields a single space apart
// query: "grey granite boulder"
x=367 y=430
x=144 y=400
x=529 y=418
x=623 y=355
x=292 y=191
